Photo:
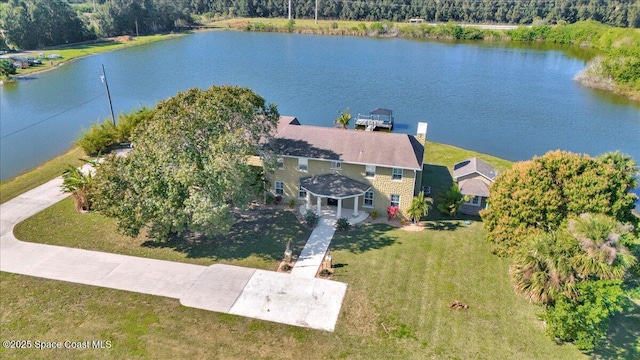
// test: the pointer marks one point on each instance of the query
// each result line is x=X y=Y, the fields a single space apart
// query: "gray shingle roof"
x=474 y=187
x=363 y=147
x=334 y=185
x=474 y=165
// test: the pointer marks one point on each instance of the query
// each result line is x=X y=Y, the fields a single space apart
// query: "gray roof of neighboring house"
x=363 y=147
x=334 y=185
x=474 y=187
x=474 y=165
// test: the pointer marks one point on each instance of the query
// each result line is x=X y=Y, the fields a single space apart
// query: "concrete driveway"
x=277 y=297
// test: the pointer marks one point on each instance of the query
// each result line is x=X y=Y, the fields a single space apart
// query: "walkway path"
x=266 y=295
x=313 y=253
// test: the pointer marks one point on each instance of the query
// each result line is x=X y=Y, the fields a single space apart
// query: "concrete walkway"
x=313 y=253
x=266 y=295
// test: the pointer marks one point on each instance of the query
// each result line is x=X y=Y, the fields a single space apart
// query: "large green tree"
x=7 y=68
x=37 y=23
x=538 y=195
x=188 y=169
x=585 y=319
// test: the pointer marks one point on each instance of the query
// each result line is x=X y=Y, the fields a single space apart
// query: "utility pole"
x=106 y=85
x=289 y=9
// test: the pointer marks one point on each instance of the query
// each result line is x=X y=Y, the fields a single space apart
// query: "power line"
x=50 y=117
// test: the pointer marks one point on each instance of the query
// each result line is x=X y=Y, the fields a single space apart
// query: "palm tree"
x=541 y=269
x=420 y=207
x=78 y=183
x=603 y=255
x=449 y=202
x=624 y=164
x=343 y=119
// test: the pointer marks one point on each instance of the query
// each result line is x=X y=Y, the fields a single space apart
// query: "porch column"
x=355 y=206
x=319 y=202
x=339 y=213
x=308 y=204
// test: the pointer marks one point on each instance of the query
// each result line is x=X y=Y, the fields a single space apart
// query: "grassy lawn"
x=404 y=280
x=75 y=51
x=438 y=172
x=39 y=175
x=61 y=225
x=396 y=306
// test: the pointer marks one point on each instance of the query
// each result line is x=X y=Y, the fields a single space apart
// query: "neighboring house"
x=351 y=170
x=474 y=178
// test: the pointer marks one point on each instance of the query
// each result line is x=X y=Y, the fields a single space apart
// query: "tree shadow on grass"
x=363 y=239
x=263 y=233
x=623 y=337
x=442 y=225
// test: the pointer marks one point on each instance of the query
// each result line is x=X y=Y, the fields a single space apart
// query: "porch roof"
x=474 y=187
x=334 y=186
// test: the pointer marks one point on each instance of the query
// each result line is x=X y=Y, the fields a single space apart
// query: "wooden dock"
x=378 y=119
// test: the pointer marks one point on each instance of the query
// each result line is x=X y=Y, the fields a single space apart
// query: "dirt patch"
x=124 y=38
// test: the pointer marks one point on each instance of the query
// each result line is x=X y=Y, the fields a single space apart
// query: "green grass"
x=72 y=52
x=61 y=225
x=39 y=175
x=401 y=279
x=396 y=306
x=438 y=172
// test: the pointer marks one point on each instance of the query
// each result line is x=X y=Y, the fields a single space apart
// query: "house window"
x=368 y=199
x=280 y=162
x=302 y=193
x=370 y=171
x=396 y=174
x=303 y=164
x=474 y=200
x=395 y=200
x=336 y=165
x=279 y=187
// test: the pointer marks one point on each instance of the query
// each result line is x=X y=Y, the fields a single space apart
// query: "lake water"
x=509 y=102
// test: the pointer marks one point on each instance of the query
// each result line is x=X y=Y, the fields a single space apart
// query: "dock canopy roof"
x=334 y=186
x=385 y=112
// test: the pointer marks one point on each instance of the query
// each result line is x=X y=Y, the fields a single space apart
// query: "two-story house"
x=351 y=170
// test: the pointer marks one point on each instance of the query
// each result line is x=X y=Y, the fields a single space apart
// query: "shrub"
x=268 y=199
x=343 y=224
x=98 y=138
x=311 y=219
x=287 y=267
x=334 y=25
x=392 y=212
x=290 y=25
x=374 y=214
x=291 y=204
x=325 y=273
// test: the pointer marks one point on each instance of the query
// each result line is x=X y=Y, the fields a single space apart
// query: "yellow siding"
x=382 y=185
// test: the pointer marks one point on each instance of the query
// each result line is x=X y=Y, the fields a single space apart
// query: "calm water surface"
x=509 y=102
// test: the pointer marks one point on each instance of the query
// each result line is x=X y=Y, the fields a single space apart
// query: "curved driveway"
x=266 y=295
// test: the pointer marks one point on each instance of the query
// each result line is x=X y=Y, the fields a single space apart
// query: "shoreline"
x=85 y=49
x=587 y=77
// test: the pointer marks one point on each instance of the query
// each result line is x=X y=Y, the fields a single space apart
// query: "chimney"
x=421 y=135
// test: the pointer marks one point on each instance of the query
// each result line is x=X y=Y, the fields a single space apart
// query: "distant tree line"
x=38 y=23
x=621 y=13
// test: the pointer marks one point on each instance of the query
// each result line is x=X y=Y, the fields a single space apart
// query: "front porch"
x=335 y=188
x=330 y=212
